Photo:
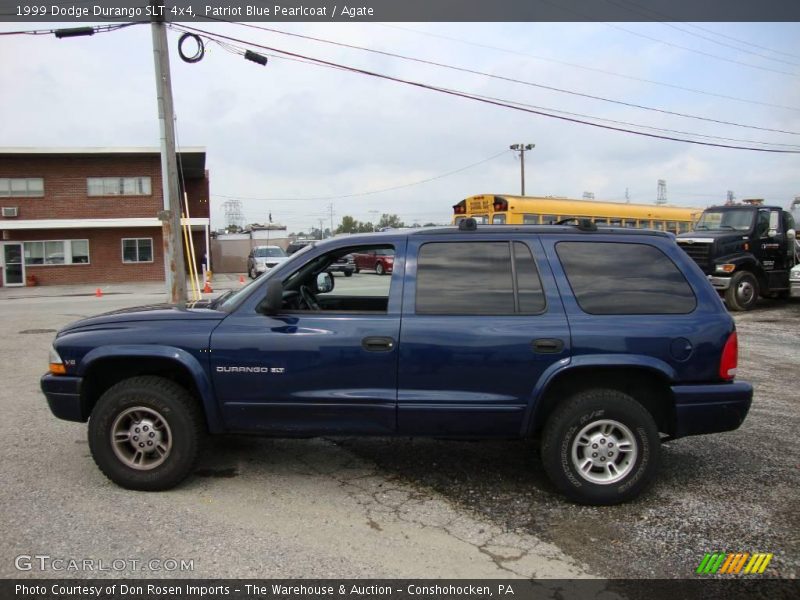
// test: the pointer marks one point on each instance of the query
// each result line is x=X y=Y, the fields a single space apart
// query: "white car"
x=262 y=258
x=794 y=282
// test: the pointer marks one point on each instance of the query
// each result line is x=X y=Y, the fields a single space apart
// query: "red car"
x=380 y=260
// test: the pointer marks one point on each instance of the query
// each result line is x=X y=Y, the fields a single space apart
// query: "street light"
x=521 y=148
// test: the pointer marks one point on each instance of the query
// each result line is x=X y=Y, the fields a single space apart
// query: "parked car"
x=263 y=258
x=343 y=264
x=380 y=261
x=794 y=278
x=297 y=245
x=600 y=344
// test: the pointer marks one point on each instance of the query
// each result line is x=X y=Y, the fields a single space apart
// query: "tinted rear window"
x=476 y=278
x=624 y=279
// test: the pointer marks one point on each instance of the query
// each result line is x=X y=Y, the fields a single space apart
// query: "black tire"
x=184 y=425
x=743 y=291
x=348 y=273
x=251 y=272
x=578 y=414
x=379 y=269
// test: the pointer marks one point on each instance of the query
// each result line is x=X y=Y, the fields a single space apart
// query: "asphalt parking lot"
x=393 y=507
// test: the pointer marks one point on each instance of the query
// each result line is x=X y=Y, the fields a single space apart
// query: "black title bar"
x=116 y=11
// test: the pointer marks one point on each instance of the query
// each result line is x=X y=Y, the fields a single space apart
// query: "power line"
x=476 y=98
x=664 y=20
x=701 y=52
x=507 y=79
x=95 y=29
x=379 y=191
x=593 y=69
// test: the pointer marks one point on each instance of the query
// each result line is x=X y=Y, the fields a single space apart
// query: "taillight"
x=730 y=358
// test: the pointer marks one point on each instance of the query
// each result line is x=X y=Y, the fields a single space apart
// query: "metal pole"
x=522 y=168
x=174 y=265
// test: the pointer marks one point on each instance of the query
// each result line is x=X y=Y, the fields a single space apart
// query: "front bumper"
x=710 y=408
x=720 y=283
x=342 y=268
x=63 y=395
x=795 y=290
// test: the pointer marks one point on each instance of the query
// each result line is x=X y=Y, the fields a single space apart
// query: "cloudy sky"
x=282 y=136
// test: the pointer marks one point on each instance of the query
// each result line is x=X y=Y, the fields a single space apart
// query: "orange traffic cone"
x=207 y=289
x=98 y=292
x=241 y=278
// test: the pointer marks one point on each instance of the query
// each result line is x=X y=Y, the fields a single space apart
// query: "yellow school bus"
x=531 y=210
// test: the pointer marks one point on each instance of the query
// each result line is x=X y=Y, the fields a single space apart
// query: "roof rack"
x=582 y=223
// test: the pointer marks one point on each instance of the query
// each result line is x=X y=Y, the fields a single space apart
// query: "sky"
x=280 y=137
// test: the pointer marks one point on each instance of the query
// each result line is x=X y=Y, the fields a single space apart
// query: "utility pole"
x=330 y=209
x=521 y=148
x=174 y=265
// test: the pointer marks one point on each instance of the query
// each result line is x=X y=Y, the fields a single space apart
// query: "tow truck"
x=746 y=250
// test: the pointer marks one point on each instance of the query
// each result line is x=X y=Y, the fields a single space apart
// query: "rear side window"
x=477 y=278
x=624 y=279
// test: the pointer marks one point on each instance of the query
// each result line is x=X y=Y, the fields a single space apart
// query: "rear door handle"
x=377 y=344
x=547 y=346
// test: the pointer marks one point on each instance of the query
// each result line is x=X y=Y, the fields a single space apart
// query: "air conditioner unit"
x=10 y=211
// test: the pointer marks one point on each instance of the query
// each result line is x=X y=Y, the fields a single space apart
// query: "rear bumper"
x=63 y=395
x=710 y=408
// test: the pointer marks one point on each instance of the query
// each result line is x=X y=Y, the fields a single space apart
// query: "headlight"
x=794 y=275
x=56 y=364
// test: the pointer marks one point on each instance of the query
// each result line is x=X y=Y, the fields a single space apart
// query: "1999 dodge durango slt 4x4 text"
x=597 y=342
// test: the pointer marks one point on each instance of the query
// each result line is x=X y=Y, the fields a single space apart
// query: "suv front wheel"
x=145 y=433
x=601 y=447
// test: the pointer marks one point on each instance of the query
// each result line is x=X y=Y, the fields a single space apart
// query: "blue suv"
x=599 y=343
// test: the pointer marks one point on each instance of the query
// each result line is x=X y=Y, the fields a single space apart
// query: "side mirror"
x=273 y=301
x=324 y=282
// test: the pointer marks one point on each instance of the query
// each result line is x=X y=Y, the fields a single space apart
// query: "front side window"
x=56 y=252
x=351 y=292
x=137 y=250
x=476 y=278
x=118 y=186
x=624 y=279
x=21 y=187
x=499 y=219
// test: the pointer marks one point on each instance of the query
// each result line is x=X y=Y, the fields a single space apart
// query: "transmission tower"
x=233 y=213
x=730 y=197
x=588 y=195
x=661 y=198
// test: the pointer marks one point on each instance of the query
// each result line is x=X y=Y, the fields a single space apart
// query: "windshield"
x=269 y=252
x=231 y=299
x=718 y=220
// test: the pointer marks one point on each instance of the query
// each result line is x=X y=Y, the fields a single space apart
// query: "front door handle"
x=377 y=344
x=547 y=346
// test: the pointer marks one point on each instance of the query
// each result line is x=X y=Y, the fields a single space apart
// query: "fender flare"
x=176 y=355
x=576 y=363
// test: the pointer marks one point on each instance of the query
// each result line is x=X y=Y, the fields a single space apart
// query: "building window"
x=57 y=252
x=137 y=250
x=118 y=186
x=21 y=187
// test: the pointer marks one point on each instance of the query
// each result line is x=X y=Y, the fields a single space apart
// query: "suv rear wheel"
x=601 y=447
x=145 y=433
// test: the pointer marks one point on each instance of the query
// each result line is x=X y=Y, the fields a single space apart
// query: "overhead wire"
x=508 y=79
x=368 y=193
x=476 y=98
x=665 y=20
x=591 y=69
